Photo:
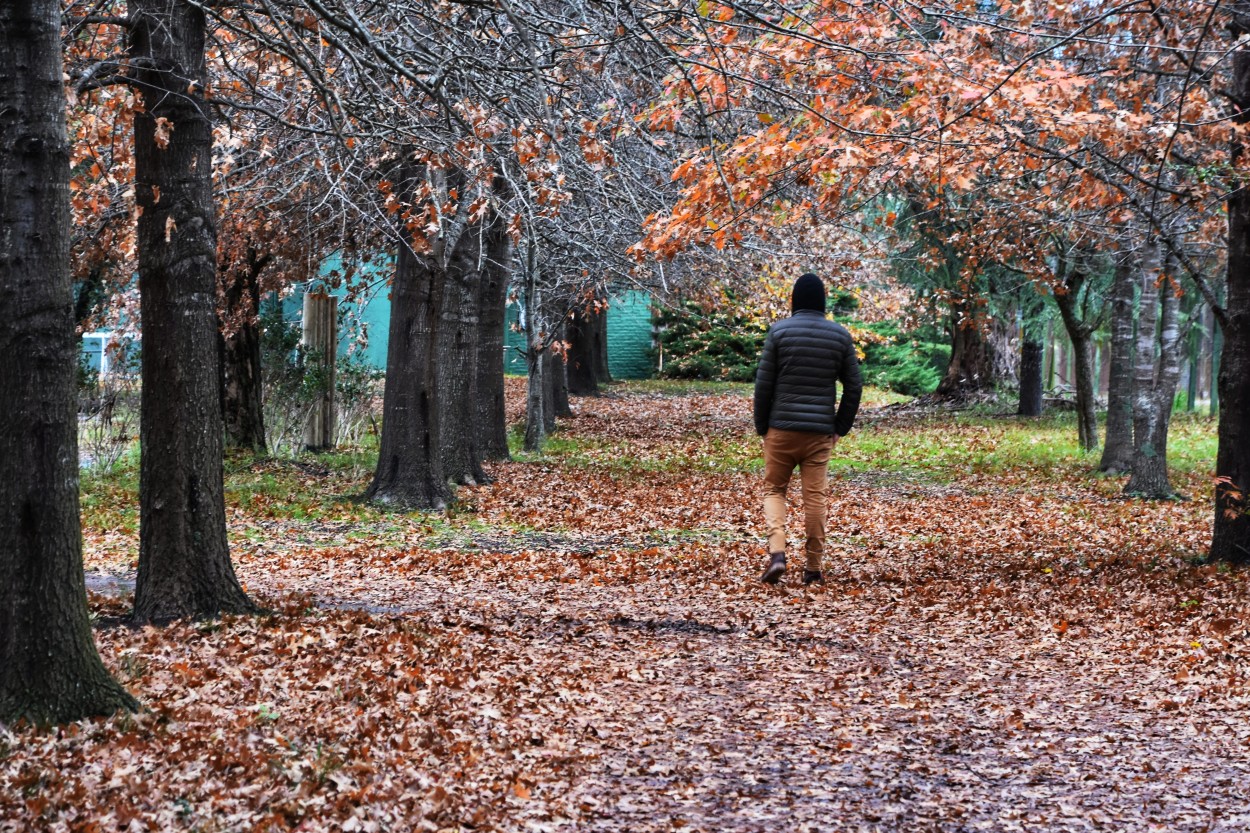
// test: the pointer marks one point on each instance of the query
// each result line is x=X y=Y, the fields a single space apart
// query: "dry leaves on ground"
x=585 y=647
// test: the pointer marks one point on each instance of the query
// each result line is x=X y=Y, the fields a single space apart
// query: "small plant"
x=265 y=713
x=295 y=378
x=358 y=392
x=108 y=408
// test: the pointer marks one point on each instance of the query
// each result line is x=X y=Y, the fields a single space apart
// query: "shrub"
x=911 y=364
x=709 y=345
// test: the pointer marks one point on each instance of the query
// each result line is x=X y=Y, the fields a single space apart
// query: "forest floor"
x=1005 y=644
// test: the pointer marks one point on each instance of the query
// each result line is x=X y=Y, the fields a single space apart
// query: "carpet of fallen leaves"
x=583 y=645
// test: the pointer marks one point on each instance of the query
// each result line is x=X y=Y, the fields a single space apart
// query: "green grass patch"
x=681 y=387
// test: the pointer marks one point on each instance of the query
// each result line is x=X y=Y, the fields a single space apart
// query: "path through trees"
x=584 y=645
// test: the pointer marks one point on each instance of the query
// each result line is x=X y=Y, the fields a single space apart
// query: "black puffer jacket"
x=804 y=357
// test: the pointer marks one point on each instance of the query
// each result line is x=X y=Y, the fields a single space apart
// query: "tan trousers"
x=783 y=450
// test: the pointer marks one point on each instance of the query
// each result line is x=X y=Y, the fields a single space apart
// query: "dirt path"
x=733 y=707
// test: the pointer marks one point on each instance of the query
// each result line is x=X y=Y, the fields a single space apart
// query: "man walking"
x=800 y=419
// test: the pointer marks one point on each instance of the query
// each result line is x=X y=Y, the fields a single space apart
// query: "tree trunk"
x=1086 y=398
x=1194 y=359
x=535 y=404
x=1117 y=453
x=583 y=358
x=557 y=381
x=549 y=391
x=491 y=419
x=599 y=345
x=1154 y=381
x=971 y=368
x=1031 y=354
x=50 y=671
x=456 y=360
x=535 y=416
x=1230 y=540
x=1080 y=334
x=241 y=400
x=410 y=469
x=184 y=559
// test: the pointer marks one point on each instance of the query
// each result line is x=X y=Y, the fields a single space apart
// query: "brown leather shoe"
x=776 y=568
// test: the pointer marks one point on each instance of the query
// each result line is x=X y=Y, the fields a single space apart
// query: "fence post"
x=320 y=343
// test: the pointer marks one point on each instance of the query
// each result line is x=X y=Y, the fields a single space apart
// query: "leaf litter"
x=584 y=646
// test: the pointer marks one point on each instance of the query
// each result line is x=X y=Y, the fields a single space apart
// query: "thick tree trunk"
x=1031 y=354
x=491 y=419
x=241 y=400
x=583 y=358
x=1117 y=453
x=410 y=469
x=971 y=368
x=456 y=360
x=1154 y=381
x=184 y=559
x=1230 y=540
x=50 y=671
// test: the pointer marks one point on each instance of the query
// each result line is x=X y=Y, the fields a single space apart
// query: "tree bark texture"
x=50 y=671
x=1154 y=380
x=456 y=358
x=184 y=559
x=557 y=380
x=1031 y=355
x=583 y=357
x=1080 y=333
x=410 y=468
x=599 y=344
x=1086 y=397
x=535 y=402
x=971 y=368
x=491 y=419
x=549 y=392
x=535 y=335
x=1230 y=540
x=1117 y=453
x=241 y=389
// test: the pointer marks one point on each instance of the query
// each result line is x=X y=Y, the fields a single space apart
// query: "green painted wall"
x=513 y=342
x=629 y=336
x=364 y=324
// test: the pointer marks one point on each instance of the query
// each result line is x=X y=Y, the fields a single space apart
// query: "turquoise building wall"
x=365 y=321
x=629 y=337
